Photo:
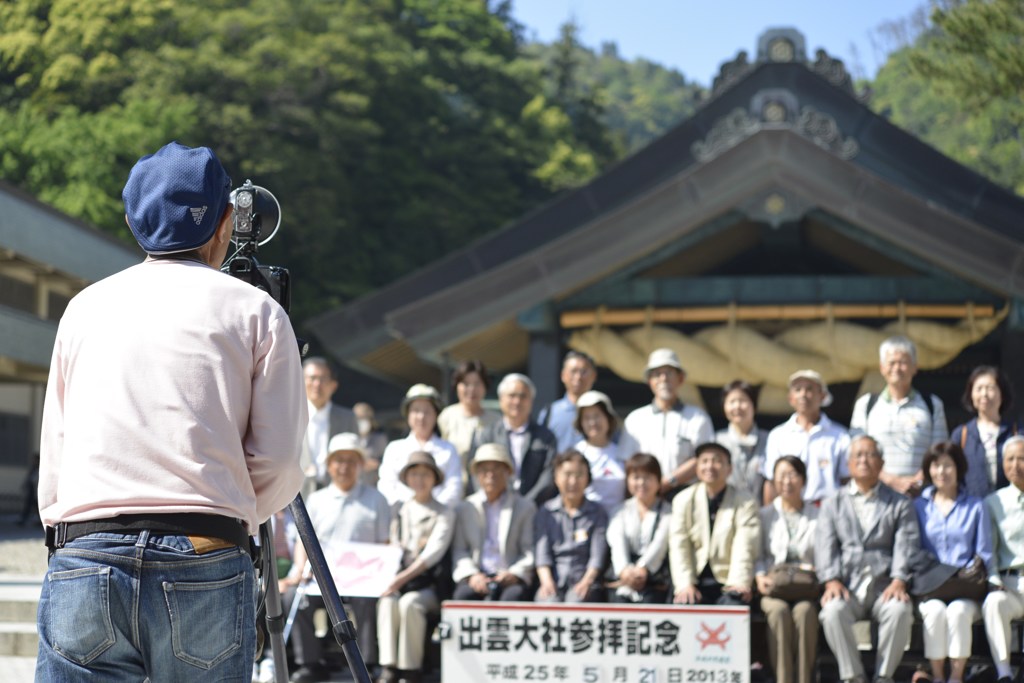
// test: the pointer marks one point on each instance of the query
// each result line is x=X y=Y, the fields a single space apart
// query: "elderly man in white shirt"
x=345 y=511
x=810 y=435
x=1005 y=601
x=905 y=421
x=665 y=428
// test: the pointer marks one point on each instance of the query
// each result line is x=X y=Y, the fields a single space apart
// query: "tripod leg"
x=272 y=600
x=300 y=596
x=344 y=632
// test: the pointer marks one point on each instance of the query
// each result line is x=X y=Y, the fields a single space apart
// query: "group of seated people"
x=813 y=524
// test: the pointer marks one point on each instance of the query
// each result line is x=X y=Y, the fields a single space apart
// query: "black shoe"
x=310 y=674
x=981 y=673
x=388 y=674
x=1005 y=679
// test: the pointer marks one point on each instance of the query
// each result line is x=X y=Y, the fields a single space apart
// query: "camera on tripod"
x=255 y=208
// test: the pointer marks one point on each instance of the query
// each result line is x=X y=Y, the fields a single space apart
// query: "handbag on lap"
x=793 y=582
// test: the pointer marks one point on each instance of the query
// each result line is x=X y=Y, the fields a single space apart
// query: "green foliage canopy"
x=392 y=131
x=958 y=87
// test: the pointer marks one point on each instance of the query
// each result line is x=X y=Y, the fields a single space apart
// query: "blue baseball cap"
x=174 y=199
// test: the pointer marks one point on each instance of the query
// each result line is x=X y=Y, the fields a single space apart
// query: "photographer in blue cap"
x=171 y=429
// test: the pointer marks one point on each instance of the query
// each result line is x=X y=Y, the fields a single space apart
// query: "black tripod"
x=343 y=630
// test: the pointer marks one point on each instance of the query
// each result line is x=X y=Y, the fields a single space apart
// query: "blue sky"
x=696 y=37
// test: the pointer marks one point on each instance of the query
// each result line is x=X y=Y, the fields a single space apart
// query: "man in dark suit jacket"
x=325 y=420
x=867 y=537
x=531 y=445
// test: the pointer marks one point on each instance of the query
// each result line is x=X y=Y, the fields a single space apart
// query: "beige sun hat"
x=493 y=452
x=814 y=376
x=421 y=458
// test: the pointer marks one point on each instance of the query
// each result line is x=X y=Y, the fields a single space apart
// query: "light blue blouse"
x=957 y=537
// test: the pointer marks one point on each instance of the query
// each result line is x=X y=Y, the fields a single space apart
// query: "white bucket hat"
x=346 y=441
x=421 y=391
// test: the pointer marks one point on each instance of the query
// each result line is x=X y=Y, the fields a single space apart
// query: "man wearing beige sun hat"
x=492 y=552
x=810 y=435
x=666 y=428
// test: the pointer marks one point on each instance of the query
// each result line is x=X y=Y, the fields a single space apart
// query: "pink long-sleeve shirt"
x=173 y=387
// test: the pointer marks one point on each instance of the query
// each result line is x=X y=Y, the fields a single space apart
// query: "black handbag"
x=430 y=578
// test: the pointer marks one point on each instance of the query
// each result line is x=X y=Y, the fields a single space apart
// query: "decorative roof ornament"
x=823 y=131
x=731 y=72
x=782 y=45
x=728 y=131
x=774 y=108
x=776 y=206
x=832 y=70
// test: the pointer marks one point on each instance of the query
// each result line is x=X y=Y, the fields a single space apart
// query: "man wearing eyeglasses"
x=665 y=427
x=531 y=446
x=326 y=420
x=578 y=376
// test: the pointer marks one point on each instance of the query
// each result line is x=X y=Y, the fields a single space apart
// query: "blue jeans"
x=124 y=607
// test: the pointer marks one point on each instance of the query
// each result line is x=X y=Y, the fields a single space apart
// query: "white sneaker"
x=267 y=671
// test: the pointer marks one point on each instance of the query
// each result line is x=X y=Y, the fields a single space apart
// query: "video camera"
x=255 y=208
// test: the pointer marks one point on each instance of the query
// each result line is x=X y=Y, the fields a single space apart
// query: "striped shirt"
x=905 y=429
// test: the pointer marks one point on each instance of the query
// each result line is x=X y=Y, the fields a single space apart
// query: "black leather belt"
x=1016 y=571
x=179 y=524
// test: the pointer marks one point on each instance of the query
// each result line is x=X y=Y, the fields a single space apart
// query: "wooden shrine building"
x=784 y=225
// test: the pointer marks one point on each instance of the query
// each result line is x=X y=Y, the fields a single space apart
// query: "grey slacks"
x=894 y=620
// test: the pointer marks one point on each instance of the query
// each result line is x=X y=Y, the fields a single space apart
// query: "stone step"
x=18 y=640
x=18 y=600
x=17 y=669
x=18 y=611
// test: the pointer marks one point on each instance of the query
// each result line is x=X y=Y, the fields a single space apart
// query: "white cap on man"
x=815 y=377
x=661 y=358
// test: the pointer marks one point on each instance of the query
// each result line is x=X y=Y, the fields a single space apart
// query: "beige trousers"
x=792 y=638
x=402 y=628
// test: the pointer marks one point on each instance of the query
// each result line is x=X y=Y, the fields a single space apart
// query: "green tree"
x=392 y=131
x=975 y=50
x=950 y=87
x=635 y=101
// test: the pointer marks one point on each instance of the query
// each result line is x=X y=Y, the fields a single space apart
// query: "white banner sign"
x=594 y=643
x=360 y=570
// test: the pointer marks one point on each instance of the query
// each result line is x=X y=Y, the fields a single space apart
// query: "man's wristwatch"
x=672 y=481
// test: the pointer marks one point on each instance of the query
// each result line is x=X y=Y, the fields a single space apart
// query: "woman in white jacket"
x=638 y=536
x=787 y=526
